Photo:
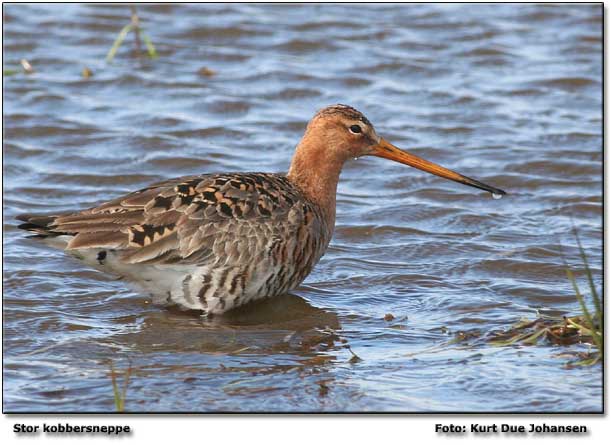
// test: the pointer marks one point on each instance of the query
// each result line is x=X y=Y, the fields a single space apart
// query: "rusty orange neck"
x=316 y=171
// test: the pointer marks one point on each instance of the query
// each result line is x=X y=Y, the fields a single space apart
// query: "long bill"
x=387 y=150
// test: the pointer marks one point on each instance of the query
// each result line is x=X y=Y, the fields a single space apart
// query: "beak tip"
x=497 y=193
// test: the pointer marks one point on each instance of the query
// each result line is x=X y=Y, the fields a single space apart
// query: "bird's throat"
x=315 y=171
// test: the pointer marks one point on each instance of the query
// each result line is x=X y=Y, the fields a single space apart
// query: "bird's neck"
x=315 y=171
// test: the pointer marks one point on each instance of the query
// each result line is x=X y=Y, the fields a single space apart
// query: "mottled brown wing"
x=188 y=219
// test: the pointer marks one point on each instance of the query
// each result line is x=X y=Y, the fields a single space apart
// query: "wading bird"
x=213 y=242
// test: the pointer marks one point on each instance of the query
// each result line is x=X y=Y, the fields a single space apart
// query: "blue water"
x=509 y=94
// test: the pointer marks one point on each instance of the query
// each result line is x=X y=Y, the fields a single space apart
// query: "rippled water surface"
x=509 y=94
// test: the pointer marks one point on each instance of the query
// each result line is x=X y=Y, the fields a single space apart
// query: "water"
x=508 y=94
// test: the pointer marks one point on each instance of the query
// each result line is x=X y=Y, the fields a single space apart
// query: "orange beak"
x=387 y=150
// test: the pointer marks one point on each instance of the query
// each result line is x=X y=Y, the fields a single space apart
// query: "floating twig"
x=355 y=358
x=27 y=68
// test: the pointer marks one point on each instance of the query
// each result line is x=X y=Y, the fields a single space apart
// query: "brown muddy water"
x=509 y=94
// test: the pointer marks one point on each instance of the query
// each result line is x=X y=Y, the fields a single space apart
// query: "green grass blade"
x=126 y=381
x=118 y=41
x=533 y=339
x=588 y=361
x=580 y=298
x=583 y=329
x=512 y=340
x=150 y=48
x=593 y=333
x=117 y=395
x=587 y=269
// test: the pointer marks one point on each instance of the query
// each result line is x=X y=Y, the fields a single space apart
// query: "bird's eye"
x=355 y=129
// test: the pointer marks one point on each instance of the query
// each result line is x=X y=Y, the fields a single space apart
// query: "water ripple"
x=509 y=94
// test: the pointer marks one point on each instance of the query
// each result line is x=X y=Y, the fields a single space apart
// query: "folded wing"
x=188 y=219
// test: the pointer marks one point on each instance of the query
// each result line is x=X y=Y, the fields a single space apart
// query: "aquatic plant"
x=592 y=323
x=584 y=328
x=9 y=71
x=136 y=29
x=120 y=395
x=26 y=68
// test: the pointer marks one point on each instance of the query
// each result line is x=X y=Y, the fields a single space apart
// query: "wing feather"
x=187 y=219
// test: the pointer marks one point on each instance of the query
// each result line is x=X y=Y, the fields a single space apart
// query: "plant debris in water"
x=561 y=330
x=320 y=340
x=9 y=71
x=207 y=72
x=86 y=73
x=565 y=331
x=355 y=358
x=27 y=67
x=324 y=387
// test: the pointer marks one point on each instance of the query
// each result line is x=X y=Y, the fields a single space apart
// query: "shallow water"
x=509 y=94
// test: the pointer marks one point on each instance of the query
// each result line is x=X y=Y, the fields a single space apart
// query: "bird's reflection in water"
x=286 y=323
x=256 y=349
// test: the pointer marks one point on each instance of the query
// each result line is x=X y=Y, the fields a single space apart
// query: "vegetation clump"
x=584 y=328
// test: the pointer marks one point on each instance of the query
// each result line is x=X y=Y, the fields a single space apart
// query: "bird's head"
x=345 y=133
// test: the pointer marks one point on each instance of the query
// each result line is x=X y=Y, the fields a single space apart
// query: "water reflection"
x=237 y=354
x=286 y=323
x=496 y=92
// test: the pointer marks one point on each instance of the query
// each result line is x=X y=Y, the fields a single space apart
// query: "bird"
x=216 y=241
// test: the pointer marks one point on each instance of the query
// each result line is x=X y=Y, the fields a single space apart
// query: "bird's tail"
x=39 y=225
